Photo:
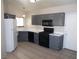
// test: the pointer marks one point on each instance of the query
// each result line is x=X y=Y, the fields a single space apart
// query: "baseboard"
x=70 y=50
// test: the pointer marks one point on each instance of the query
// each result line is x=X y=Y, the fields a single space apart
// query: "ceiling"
x=26 y=6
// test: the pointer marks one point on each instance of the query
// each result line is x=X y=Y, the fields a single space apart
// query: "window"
x=20 y=21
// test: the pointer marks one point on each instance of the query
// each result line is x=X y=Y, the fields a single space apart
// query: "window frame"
x=17 y=18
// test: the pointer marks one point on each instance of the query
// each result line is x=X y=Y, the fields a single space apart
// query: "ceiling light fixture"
x=33 y=1
x=23 y=16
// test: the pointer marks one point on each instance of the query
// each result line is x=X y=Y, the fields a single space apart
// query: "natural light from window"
x=20 y=21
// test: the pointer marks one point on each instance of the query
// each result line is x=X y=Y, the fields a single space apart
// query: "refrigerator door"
x=10 y=35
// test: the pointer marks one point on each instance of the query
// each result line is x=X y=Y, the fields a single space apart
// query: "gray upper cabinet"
x=58 y=19
x=36 y=20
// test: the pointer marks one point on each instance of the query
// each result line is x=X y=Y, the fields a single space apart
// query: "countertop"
x=30 y=29
x=37 y=29
x=57 y=34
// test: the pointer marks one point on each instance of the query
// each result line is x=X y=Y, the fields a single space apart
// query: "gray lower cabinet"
x=22 y=36
x=55 y=42
x=36 y=38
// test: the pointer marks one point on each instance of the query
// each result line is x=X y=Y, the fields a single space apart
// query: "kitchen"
x=44 y=28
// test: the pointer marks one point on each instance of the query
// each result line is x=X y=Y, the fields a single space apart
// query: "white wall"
x=27 y=20
x=64 y=8
x=70 y=39
x=3 y=47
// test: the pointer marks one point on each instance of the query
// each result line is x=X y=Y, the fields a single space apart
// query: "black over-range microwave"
x=47 y=22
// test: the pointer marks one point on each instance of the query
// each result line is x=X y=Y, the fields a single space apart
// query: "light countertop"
x=37 y=29
x=30 y=29
x=57 y=34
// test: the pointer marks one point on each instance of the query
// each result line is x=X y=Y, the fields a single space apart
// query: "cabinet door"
x=58 y=19
x=36 y=20
x=56 y=42
x=36 y=38
x=30 y=36
x=22 y=36
x=53 y=42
